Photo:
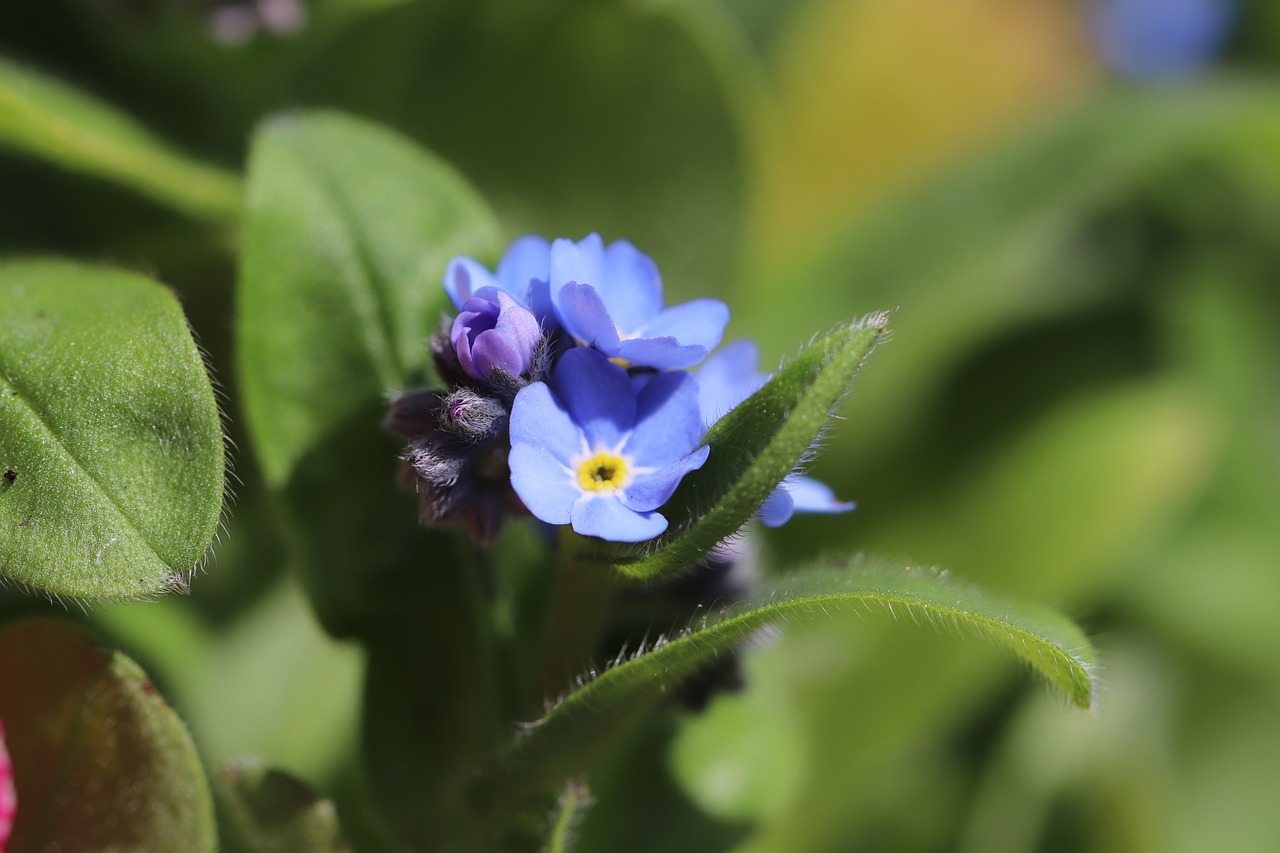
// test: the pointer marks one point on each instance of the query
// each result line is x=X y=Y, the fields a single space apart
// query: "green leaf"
x=261 y=810
x=101 y=762
x=547 y=113
x=348 y=231
x=109 y=434
x=50 y=120
x=570 y=737
x=753 y=448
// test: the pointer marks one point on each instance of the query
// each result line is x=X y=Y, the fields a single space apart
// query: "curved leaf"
x=100 y=761
x=349 y=228
x=571 y=736
x=50 y=120
x=753 y=448
x=109 y=434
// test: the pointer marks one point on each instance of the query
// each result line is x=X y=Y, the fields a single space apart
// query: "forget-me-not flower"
x=597 y=449
x=611 y=299
x=726 y=379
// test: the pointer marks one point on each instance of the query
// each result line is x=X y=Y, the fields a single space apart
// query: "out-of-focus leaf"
x=987 y=246
x=570 y=737
x=1099 y=476
x=109 y=434
x=754 y=447
x=349 y=229
x=1151 y=443
x=274 y=649
x=261 y=810
x=50 y=120
x=101 y=762
x=570 y=116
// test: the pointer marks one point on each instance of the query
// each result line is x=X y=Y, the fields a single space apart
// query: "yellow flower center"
x=603 y=472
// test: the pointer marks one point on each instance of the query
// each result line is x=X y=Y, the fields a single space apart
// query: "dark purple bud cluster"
x=458 y=437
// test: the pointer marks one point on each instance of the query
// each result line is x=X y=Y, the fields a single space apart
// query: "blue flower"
x=602 y=451
x=611 y=299
x=495 y=335
x=522 y=274
x=1160 y=39
x=725 y=380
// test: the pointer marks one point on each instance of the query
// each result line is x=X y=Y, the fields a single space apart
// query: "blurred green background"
x=1080 y=406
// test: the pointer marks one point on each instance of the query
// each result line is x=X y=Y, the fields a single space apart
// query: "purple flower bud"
x=489 y=336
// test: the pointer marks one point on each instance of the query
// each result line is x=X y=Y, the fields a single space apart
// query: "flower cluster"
x=570 y=396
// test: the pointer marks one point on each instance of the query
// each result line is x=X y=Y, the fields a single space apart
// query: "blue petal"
x=660 y=353
x=606 y=517
x=585 y=317
x=597 y=395
x=526 y=260
x=777 y=508
x=668 y=422
x=650 y=491
x=810 y=495
x=541 y=421
x=699 y=323
x=544 y=486
x=631 y=288
x=464 y=278
x=729 y=376
x=576 y=262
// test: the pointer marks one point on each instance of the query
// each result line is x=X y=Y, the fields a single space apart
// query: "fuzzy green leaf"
x=266 y=811
x=572 y=735
x=110 y=437
x=50 y=120
x=753 y=448
x=101 y=762
x=348 y=231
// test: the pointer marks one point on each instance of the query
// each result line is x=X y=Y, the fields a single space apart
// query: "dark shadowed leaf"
x=100 y=761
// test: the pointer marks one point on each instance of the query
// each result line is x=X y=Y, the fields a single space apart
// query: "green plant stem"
x=52 y=121
x=575 y=799
x=574 y=620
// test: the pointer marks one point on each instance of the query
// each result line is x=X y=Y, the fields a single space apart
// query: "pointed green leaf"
x=110 y=437
x=50 y=120
x=266 y=811
x=753 y=448
x=348 y=231
x=571 y=736
x=100 y=761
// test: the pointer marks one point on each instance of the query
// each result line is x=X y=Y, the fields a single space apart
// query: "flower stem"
x=578 y=608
